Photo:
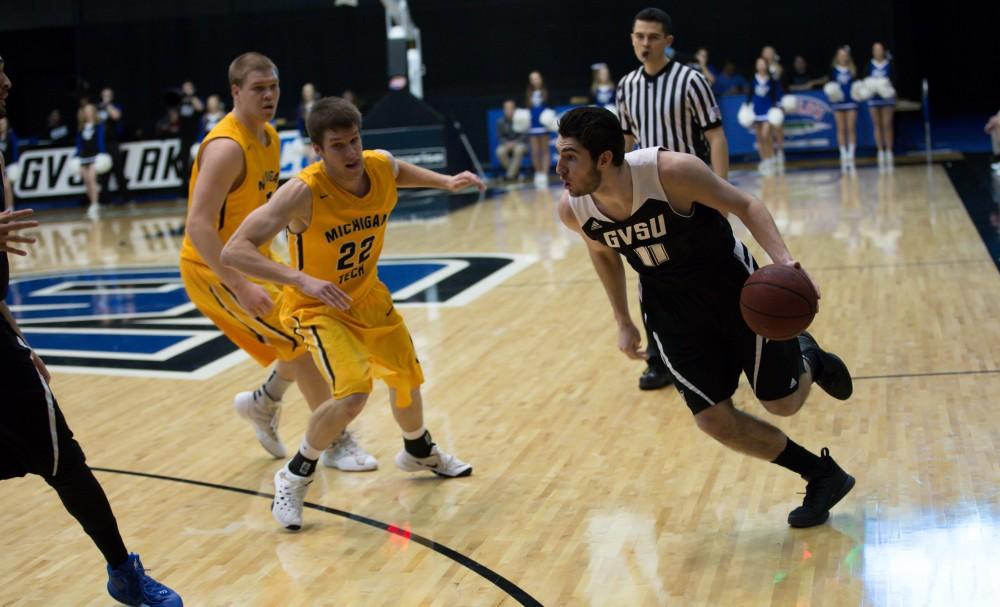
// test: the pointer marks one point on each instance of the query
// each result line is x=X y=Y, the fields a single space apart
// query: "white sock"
x=275 y=386
x=843 y=153
x=419 y=432
x=308 y=451
x=850 y=150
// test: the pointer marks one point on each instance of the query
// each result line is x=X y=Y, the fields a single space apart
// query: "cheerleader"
x=765 y=94
x=90 y=143
x=536 y=97
x=882 y=105
x=845 y=109
x=777 y=73
x=602 y=88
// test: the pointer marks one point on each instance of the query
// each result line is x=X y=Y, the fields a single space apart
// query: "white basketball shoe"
x=263 y=414
x=289 y=496
x=438 y=462
x=347 y=455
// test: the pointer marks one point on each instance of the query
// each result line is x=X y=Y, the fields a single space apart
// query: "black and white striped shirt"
x=672 y=109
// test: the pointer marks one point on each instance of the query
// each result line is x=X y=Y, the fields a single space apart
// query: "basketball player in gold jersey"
x=336 y=211
x=237 y=171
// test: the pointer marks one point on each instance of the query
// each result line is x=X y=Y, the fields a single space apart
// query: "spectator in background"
x=215 y=111
x=351 y=97
x=536 y=97
x=800 y=80
x=190 y=111
x=309 y=97
x=511 y=148
x=602 y=87
x=730 y=82
x=701 y=64
x=993 y=128
x=56 y=130
x=90 y=141
x=169 y=125
x=110 y=115
x=8 y=149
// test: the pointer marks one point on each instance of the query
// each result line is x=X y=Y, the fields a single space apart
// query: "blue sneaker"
x=129 y=584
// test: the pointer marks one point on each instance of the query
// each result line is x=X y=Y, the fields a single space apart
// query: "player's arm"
x=221 y=169
x=685 y=178
x=291 y=202
x=719 y=147
x=9 y=222
x=411 y=176
x=611 y=271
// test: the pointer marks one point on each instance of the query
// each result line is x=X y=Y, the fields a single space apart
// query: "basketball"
x=778 y=302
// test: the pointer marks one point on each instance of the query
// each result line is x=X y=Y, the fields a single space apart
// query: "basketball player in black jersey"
x=665 y=212
x=35 y=439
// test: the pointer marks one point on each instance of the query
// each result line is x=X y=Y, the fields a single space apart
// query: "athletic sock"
x=304 y=462
x=798 y=459
x=275 y=386
x=418 y=443
x=815 y=364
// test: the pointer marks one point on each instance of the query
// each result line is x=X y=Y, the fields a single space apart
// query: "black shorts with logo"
x=700 y=333
x=34 y=437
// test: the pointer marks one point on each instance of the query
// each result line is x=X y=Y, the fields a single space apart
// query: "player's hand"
x=992 y=123
x=325 y=291
x=629 y=341
x=465 y=179
x=10 y=223
x=253 y=298
x=40 y=366
x=799 y=267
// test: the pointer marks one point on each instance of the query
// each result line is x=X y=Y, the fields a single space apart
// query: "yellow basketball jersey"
x=344 y=239
x=263 y=164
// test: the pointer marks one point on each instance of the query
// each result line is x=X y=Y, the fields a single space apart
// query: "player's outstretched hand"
x=799 y=267
x=992 y=123
x=324 y=291
x=464 y=180
x=629 y=341
x=254 y=298
x=10 y=223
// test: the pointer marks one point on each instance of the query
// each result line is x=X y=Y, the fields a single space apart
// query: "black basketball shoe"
x=832 y=374
x=655 y=376
x=822 y=493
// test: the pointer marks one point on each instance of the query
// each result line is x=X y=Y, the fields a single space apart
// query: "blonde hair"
x=249 y=62
x=850 y=60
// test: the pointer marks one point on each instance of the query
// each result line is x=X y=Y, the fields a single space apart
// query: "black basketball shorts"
x=34 y=437
x=700 y=333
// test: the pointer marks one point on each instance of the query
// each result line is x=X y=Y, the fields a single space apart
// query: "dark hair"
x=331 y=114
x=658 y=16
x=597 y=130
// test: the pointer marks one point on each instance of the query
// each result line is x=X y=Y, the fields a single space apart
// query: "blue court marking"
x=398 y=276
x=126 y=301
x=107 y=342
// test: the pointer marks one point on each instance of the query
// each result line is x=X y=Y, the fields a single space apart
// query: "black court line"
x=927 y=374
x=495 y=578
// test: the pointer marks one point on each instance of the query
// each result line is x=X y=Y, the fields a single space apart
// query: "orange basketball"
x=778 y=302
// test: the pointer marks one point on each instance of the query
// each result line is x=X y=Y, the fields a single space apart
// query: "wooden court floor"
x=586 y=491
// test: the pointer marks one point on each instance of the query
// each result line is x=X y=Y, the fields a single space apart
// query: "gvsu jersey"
x=665 y=247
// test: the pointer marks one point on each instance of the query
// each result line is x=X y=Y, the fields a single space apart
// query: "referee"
x=667 y=104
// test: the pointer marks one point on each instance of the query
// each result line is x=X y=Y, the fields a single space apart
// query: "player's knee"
x=353 y=404
x=784 y=407
x=716 y=421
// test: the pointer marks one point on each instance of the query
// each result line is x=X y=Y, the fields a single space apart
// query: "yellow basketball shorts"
x=262 y=337
x=369 y=340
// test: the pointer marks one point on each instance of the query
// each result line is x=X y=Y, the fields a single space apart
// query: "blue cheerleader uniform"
x=537 y=107
x=880 y=69
x=843 y=77
x=765 y=95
